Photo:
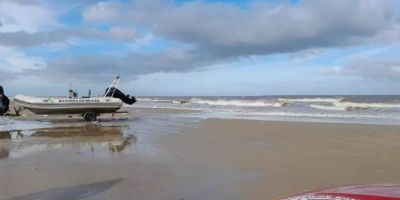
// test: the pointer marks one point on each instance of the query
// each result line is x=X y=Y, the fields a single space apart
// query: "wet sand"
x=163 y=155
x=273 y=159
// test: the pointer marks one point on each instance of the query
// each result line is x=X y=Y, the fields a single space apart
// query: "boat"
x=356 y=192
x=89 y=107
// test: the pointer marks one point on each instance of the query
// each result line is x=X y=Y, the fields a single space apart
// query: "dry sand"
x=203 y=159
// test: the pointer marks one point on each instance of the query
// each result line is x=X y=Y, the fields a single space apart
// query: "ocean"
x=336 y=109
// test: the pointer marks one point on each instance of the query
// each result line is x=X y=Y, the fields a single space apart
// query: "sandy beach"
x=163 y=154
x=199 y=100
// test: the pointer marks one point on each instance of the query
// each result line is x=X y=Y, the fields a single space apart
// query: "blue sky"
x=184 y=47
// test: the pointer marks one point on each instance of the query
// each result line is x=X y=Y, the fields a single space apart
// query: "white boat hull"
x=65 y=105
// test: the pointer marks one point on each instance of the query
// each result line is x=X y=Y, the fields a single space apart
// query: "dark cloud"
x=99 y=68
x=220 y=32
x=25 y=39
x=262 y=28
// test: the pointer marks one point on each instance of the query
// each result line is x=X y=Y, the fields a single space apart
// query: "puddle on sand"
x=9 y=124
x=108 y=136
x=86 y=138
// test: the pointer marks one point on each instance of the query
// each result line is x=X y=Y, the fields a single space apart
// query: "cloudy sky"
x=201 y=47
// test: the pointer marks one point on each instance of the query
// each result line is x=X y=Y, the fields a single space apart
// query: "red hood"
x=359 y=192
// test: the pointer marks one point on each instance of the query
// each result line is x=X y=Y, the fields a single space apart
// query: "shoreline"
x=223 y=115
x=203 y=114
x=125 y=116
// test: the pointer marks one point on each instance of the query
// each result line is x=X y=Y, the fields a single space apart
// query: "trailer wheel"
x=89 y=116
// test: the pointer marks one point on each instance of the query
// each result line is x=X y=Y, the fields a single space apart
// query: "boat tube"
x=66 y=105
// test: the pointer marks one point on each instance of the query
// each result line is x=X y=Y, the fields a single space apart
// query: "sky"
x=201 y=47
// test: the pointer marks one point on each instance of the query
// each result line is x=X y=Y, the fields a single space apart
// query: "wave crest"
x=242 y=103
x=350 y=106
x=311 y=100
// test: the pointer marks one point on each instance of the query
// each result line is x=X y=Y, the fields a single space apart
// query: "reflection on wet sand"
x=72 y=131
x=89 y=136
x=4 y=152
x=9 y=134
x=5 y=135
x=119 y=147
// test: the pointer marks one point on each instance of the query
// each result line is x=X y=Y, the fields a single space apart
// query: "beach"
x=199 y=100
x=171 y=154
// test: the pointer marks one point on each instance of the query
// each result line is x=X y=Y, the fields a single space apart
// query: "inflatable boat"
x=89 y=107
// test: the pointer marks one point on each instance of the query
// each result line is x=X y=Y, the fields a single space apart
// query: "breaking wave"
x=242 y=103
x=339 y=104
x=320 y=103
x=350 y=106
x=321 y=115
x=311 y=100
x=155 y=100
x=357 y=109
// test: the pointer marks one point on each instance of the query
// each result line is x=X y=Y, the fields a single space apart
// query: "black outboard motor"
x=114 y=92
x=4 y=102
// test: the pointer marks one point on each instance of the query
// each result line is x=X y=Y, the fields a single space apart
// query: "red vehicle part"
x=359 y=192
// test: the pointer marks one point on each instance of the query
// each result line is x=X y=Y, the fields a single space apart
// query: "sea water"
x=340 y=109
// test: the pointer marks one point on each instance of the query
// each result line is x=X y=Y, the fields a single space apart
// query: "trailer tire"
x=90 y=116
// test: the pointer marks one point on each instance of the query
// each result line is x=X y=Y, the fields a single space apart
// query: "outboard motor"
x=4 y=102
x=114 y=92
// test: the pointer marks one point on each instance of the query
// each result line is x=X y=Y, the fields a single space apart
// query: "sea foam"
x=234 y=102
x=350 y=106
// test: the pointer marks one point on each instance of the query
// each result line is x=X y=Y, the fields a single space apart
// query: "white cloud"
x=101 y=11
x=125 y=33
x=15 y=61
x=29 y=17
